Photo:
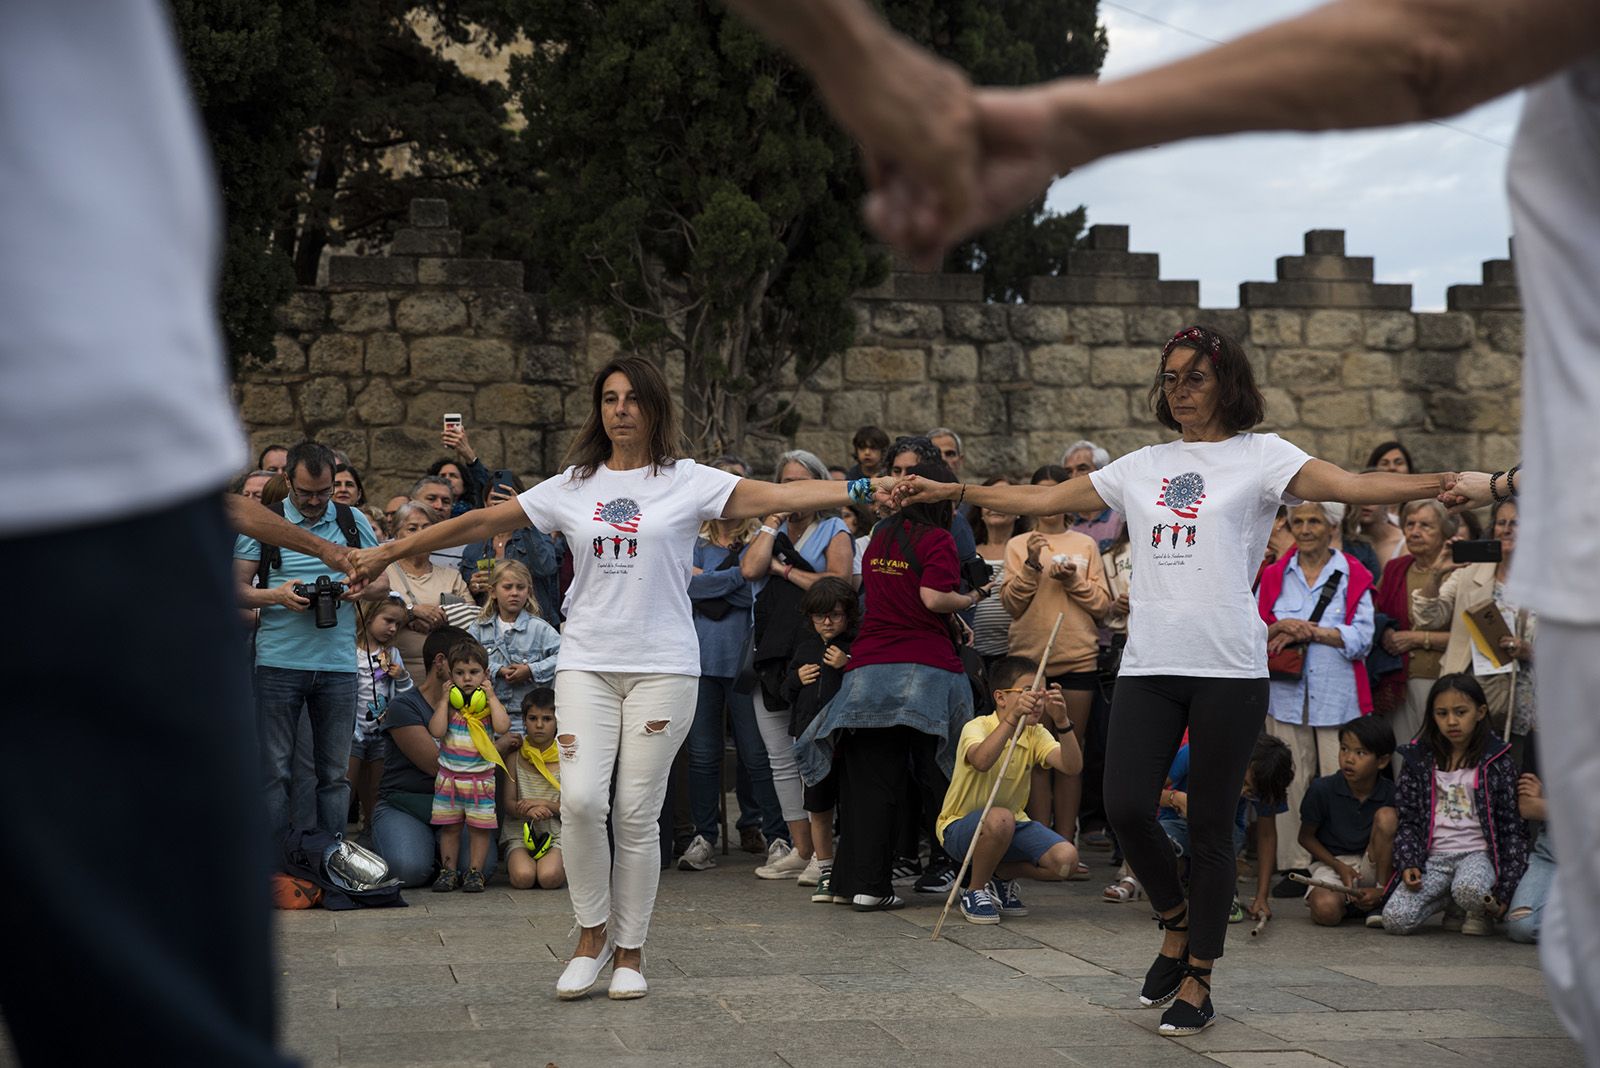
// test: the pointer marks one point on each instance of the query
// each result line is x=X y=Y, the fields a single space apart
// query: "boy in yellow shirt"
x=1011 y=845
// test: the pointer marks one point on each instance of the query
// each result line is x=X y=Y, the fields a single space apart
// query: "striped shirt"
x=457 y=752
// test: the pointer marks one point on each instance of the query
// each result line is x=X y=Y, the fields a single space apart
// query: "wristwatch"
x=1036 y=565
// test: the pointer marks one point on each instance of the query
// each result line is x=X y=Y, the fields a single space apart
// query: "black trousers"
x=874 y=767
x=1148 y=717
x=161 y=914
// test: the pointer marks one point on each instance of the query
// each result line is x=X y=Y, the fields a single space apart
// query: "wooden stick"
x=1325 y=884
x=1011 y=745
x=1261 y=924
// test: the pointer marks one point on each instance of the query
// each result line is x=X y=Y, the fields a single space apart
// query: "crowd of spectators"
x=1393 y=641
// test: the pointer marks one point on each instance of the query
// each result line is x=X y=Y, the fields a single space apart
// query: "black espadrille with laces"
x=1161 y=982
x=1183 y=1018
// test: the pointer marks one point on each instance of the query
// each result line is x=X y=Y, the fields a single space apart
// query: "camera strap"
x=272 y=556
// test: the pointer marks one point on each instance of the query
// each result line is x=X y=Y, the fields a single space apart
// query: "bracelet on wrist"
x=963 y=495
x=859 y=491
x=1511 y=480
x=768 y=530
x=1494 y=492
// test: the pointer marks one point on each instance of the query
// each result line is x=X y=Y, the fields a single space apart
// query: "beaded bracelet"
x=860 y=491
x=1495 y=493
x=1511 y=480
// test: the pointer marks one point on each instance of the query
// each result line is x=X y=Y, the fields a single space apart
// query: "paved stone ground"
x=746 y=972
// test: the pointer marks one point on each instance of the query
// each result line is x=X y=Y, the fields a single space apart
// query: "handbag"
x=1289 y=663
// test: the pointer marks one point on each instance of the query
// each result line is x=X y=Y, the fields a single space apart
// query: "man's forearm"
x=252 y=519
x=1349 y=64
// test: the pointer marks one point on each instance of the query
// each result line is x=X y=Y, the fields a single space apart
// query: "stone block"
x=1324 y=242
x=360 y=311
x=556 y=445
x=1444 y=330
x=1038 y=322
x=1333 y=329
x=1109 y=237
x=1003 y=362
x=1117 y=366
x=897 y=319
x=1487 y=369
x=412 y=242
x=1499 y=273
x=976 y=409
x=1474 y=411
x=353 y=444
x=1059 y=365
x=371 y=271
x=504 y=313
x=1155 y=325
x=1392 y=409
x=1329 y=411
x=386 y=354
x=1325 y=268
x=524 y=451
x=1121 y=442
x=519 y=405
x=404 y=449
x=994 y=454
x=876 y=365
x=1503 y=329
x=1369 y=369
x=461 y=359
x=975 y=322
x=1276 y=327
x=1482 y=298
x=908 y=285
x=287 y=357
x=1234 y=322
x=808 y=405
x=428 y=407
x=1429 y=370
x=953 y=363
x=1300 y=369
x=1099 y=326
x=1280 y=407
x=1110 y=263
x=430 y=313
x=549 y=363
x=324 y=400
x=828 y=376
x=1305 y=294
x=565 y=329
x=1093 y=289
x=1333 y=446
x=377 y=405
x=476 y=274
x=1497 y=452
x=305 y=309
x=854 y=408
x=831 y=445
x=1389 y=331
x=429 y=212
x=260 y=405
x=912 y=407
x=338 y=354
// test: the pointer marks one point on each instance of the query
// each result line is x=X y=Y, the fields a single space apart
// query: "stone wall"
x=369 y=362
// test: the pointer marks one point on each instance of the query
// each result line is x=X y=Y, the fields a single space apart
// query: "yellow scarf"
x=475 y=710
x=540 y=759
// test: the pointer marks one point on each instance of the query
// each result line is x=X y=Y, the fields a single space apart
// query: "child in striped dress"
x=464 y=787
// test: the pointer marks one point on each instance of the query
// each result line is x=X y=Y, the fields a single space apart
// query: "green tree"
x=690 y=183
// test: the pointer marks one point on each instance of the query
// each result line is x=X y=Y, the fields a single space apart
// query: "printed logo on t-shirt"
x=1455 y=802
x=622 y=513
x=1182 y=495
x=616 y=553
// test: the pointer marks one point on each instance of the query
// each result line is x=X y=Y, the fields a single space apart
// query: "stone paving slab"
x=750 y=972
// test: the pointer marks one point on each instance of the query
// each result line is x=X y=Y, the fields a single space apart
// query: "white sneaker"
x=1476 y=923
x=812 y=873
x=698 y=857
x=782 y=863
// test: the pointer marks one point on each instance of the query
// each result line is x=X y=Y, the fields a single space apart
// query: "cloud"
x=1427 y=201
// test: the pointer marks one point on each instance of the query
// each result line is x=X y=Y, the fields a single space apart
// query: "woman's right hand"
x=809 y=673
x=1412 y=877
x=478 y=583
x=430 y=614
x=915 y=489
x=1037 y=544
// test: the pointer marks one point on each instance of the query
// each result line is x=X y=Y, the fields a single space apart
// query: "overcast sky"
x=1426 y=201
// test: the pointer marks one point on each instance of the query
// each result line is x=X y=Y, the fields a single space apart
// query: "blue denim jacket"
x=530 y=640
x=540 y=553
x=926 y=699
x=722 y=641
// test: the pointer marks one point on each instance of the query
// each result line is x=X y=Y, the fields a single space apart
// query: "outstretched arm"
x=1074 y=495
x=253 y=520
x=480 y=524
x=752 y=498
x=1318 y=480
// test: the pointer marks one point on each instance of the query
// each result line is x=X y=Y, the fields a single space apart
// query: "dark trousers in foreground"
x=137 y=882
x=874 y=778
x=1148 y=718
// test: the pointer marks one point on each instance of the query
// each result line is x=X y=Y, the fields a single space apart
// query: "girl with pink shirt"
x=1461 y=837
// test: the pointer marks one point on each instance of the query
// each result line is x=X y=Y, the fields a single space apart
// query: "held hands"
x=1180 y=802
x=534 y=810
x=809 y=673
x=1469 y=489
x=366 y=564
x=341 y=559
x=914 y=489
x=835 y=657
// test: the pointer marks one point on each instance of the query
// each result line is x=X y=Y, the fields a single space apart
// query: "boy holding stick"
x=1011 y=845
x=1348 y=822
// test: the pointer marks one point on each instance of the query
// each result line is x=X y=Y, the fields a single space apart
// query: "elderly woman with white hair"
x=788 y=554
x=1403 y=695
x=1317 y=603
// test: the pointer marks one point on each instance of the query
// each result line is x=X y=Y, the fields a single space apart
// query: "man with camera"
x=305 y=646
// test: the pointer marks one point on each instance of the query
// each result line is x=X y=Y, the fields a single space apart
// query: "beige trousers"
x=1316 y=753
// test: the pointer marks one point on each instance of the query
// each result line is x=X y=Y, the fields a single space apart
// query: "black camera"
x=324 y=597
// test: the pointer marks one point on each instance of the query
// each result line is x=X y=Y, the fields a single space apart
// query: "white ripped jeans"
x=632 y=723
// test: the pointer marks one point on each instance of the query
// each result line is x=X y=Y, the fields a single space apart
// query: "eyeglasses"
x=1195 y=380
x=312 y=495
x=837 y=614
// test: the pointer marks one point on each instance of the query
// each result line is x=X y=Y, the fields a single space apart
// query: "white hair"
x=946 y=432
x=1097 y=456
x=807 y=460
x=1332 y=511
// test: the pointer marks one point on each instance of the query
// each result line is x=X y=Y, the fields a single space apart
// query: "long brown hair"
x=592 y=447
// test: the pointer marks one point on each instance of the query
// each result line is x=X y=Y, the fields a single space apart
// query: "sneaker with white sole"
x=1375 y=919
x=905 y=871
x=782 y=863
x=812 y=874
x=978 y=907
x=698 y=857
x=823 y=894
x=1006 y=899
x=938 y=879
x=873 y=903
x=1476 y=923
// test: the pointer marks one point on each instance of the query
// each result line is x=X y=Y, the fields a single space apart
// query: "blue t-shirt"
x=289 y=639
x=1178 y=775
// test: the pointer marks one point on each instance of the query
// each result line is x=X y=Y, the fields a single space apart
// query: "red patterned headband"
x=1197 y=338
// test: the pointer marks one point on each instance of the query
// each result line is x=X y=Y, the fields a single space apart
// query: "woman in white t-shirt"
x=1199 y=511
x=628 y=672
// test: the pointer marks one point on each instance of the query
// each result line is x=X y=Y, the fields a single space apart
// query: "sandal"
x=1186 y=1019
x=1122 y=891
x=448 y=880
x=1166 y=975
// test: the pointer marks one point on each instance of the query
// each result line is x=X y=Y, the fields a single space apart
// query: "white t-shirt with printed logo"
x=632 y=536
x=1199 y=515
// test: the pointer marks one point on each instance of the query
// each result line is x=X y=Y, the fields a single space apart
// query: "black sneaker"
x=1287 y=887
x=938 y=879
x=1183 y=1018
x=473 y=882
x=905 y=870
x=448 y=880
x=872 y=903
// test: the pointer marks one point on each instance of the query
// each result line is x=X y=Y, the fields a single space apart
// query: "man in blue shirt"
x=299 y=665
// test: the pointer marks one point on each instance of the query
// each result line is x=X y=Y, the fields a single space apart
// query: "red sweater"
x=1360 y=582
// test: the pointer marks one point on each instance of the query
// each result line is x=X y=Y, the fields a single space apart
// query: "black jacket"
x=806 y=701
